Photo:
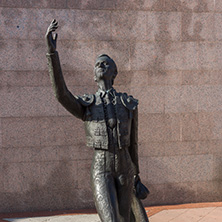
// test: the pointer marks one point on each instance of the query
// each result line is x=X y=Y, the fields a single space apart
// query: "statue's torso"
x=108 y=126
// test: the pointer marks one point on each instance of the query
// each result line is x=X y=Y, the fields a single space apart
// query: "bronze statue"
x=111 y=123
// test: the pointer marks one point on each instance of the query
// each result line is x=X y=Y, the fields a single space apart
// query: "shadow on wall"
x=218 y=169
x=170 y=194
x=172 y=182
x=163 y=39
x=58 y=192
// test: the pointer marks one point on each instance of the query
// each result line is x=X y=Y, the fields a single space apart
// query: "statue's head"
x=105 y=68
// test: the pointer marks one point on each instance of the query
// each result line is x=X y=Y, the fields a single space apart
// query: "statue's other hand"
x=50 y=39
x=141 y=190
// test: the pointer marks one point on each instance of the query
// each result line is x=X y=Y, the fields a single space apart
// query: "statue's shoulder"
x=86 y=99
x=128 y=101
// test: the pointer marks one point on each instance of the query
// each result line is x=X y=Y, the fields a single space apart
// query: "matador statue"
x=111 y=126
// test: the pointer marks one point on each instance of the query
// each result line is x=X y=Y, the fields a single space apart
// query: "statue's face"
x=104 y=68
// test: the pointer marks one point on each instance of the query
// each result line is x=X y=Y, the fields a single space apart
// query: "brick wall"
x=168 y=55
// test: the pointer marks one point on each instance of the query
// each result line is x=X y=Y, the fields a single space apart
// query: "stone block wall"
x=168 y=55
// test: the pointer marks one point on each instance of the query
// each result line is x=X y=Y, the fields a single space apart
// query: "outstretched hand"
x=51 y=39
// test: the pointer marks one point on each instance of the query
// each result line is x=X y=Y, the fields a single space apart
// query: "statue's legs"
x=124 y=193
x=112 y=190
x=138 y=213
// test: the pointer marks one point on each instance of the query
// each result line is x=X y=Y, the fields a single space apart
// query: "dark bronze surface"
x=111 y=126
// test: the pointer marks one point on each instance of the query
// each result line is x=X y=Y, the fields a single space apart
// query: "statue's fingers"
x=49 y=28
x=53 y=21
x=48 y=32
x=52 y=29
x=54 y=26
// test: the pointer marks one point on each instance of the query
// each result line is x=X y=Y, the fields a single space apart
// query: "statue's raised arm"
x=64 y=96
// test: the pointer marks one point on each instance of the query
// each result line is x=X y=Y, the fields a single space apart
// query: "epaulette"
x=129 y=102
x=86 y=99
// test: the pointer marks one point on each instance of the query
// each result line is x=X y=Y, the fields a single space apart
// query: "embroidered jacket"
x=90 y=109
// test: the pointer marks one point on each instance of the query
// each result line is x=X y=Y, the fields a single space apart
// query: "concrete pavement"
x=200 y=212
x=70 y=218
